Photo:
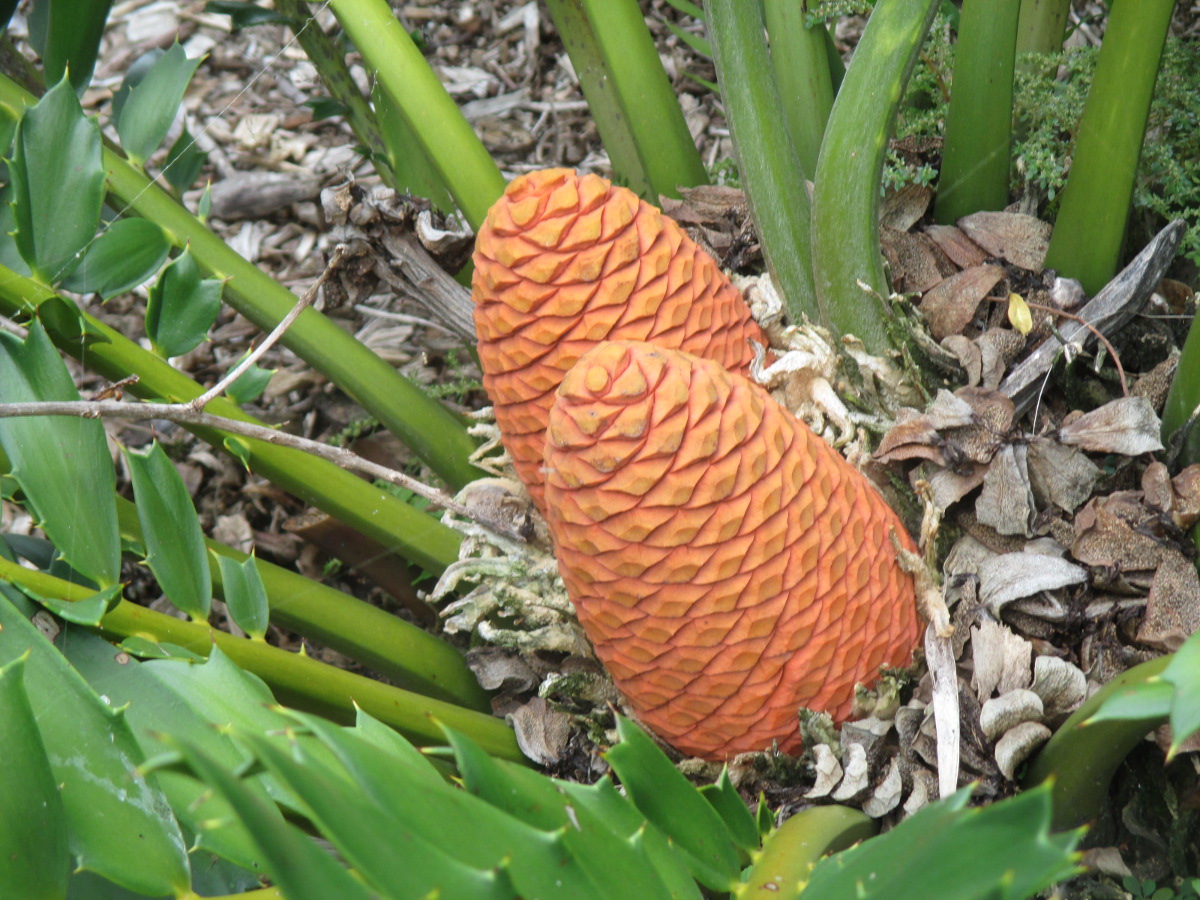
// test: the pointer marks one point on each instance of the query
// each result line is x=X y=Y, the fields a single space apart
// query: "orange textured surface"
x=727 y=564
x=565 y=261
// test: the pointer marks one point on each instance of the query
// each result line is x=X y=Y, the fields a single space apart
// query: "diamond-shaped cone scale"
x=727 y=564
x=564 y=261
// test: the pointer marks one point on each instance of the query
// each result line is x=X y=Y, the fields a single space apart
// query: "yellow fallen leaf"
x=1019 y=314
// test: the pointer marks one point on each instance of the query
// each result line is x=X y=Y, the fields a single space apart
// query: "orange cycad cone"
x=727 y=564
x=565 y=261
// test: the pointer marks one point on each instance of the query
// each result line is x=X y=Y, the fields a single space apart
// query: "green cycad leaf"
x=301 y=869
x=728 y=802
x=185 y=701
x=670 y=802
x=1004 y=851
x=125 y=255
x=151 y=105
x=399 y=861
x=175 y=549
x=603 y=846
x=110 y=806
x=67 y=35
x=245 y=595
x=1183 y=674
x=58 y=183
x=33 y=826
x=61 y=463
x=181 y=308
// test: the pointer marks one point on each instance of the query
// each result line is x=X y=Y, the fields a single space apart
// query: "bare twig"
x=183 y=414
x=198 y=403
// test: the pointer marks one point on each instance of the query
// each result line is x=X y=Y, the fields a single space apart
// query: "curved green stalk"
x=348 y=498
x=1086 y=243
x=1042 y=26
x=771 y=171
x=845 y=208
x=295 y=679
x=434 y=433
x=462 y=161
x=409 y=656
x=789 y=853
x=629 y=95
x=976 y=155
x=802 y=74
x=1184 y=398
x=1082 y=756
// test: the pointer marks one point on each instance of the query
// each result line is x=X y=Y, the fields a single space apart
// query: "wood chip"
x=939 y=654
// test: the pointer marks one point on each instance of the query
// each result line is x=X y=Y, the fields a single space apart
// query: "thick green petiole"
x=295 y=679
x=789 y=853
x=346 y=497
x=629 y=95
x=435 y=434
x=1082 y=756
x=411 y=657
x=845 y=207
x=1042 y=25
x=802 y=74
x=771 y=171
x=464 y=164
x=975 y=159
x=1184 y=398
x=1087 y=238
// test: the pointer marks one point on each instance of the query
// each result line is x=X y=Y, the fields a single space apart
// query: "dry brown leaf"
x=1011 y=576
x=1104 y=536
x=964 y=252
x=1060 y=476
x=912 y=437
x=1006 y=502
x=1186 y=505
x=948 y=486
x=1018 y=745
x=1173 y=608
x=950 y=305
x=998 y=347
x=1001 y=659
x=541 y=730
x=1127 y=425
x=1021 y=240
x=906 y=207
x=968 y=354
x=1009 y=710
x=1061 y=685
x=916 y=262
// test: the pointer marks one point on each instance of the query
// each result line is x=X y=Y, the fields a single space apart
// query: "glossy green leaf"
x=243 y=13
x=110 y=806
x=171 y=531
x=68 y=37
x=665 y=797
x=543 y=803
x=398 y=861
x=184 y=163
x=181 y=308
x=1183 y=675
x=144 y=648
x=125 y=255
x=468 y=830
x=733 y=810
x=34 y=862
x=151 y=106
x=61 y=463
x=791 y=851
x=83 y=612
x=1003 y=851
x=301 y=869
x=249 y=386
x=245 y=595
x=1138 y=702
x=390 y=741
x=181 y=705
x=58 y=183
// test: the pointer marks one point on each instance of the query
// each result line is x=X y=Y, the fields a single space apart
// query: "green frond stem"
x=771 y=171
x=295 y=679
x=409 y=656
x=976 y=155
x=629 y=95
x=1090 y=229
x=1184 y=398
x=1082 y=756
x=1043 y=25
x=798 y=56
x=373 y=512
x=429 y=429
x=464 y=164
x=790 y=852
x=845 y=207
